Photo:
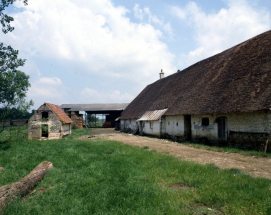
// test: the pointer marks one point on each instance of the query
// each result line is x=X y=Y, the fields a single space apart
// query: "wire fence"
x=14 y=133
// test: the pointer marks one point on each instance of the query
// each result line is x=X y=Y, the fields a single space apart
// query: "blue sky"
x=107 y=51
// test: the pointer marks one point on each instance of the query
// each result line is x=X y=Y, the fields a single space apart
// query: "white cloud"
x=217 y=31
x=46 y=89
x=95 y=35
x=89 y=95
x=50 y=81
x=145 y=12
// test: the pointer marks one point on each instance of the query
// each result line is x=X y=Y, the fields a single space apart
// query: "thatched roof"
x=236 y=80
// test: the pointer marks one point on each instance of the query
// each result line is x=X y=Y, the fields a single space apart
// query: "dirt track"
x=257 y=167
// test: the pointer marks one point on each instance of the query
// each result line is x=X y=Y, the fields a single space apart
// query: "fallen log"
x=21 y=188
x=1 y=169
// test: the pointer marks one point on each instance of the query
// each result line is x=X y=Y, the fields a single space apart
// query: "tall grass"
x=108 y=177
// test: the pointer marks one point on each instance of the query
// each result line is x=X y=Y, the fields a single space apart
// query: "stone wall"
x=55 y=128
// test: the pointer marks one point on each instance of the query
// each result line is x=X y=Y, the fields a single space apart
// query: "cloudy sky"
x=107 y=51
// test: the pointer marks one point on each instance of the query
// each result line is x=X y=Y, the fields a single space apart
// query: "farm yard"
x=102 y=175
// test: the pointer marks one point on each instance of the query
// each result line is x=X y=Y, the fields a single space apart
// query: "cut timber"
x=22 y=187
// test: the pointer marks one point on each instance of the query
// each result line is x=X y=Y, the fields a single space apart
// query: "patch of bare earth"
x=257 y=167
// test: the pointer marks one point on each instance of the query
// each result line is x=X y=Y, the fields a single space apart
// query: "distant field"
x=108 y=177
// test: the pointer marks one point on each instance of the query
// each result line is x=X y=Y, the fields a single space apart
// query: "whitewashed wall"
x=155 y=130
x=128 y=124
x=247 y=122
x=175 y=126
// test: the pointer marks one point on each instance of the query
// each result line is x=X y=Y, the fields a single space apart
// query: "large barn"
x=225 y=95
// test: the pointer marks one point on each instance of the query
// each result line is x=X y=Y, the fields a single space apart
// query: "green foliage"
x=107 y=177
x=44 y=128
x=4 y=18
x=92 y=118
x=14 y=113
x=13 y=83
x=229 y=150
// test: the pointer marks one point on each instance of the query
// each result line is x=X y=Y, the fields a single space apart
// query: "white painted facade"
x=259 y=121
x=128 y=124
x=174 y=126
x=151 y=127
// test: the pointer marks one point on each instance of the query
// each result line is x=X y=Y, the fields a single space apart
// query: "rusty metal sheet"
x=152 y=115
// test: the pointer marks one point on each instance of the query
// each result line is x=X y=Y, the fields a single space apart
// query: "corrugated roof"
x=60 y=113
x=236 y=80
x=95 y=107
x=152 y=115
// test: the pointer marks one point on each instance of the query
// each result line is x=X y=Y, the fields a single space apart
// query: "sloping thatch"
x=60 y=113
x=236 y=80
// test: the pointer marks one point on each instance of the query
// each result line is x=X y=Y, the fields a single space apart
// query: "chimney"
x=161 y=74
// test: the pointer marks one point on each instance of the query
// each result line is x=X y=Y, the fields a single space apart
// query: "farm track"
x=257 y=167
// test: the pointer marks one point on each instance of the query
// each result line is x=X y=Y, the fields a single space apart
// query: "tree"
x=92 y=119
x=13 y=83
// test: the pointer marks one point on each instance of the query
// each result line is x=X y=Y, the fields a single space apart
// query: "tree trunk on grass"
x=22 y=187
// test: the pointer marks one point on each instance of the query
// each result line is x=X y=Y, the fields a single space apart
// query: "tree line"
x=14 y=83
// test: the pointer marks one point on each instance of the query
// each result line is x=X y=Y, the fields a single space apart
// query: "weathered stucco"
x=176 y=127
x=129 y=124
x=259 y=121
x=56 y=128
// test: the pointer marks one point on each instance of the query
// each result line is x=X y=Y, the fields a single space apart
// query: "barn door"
x=187 y=127
x=222 y=127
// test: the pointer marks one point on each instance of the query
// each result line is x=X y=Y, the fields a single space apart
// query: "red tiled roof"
x=60 y=113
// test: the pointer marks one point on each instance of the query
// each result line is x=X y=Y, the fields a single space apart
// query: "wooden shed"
x=49 y=122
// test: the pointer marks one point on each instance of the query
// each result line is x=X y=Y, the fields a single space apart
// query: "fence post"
x=266 y=143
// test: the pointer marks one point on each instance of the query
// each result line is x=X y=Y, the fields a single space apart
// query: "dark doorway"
x=44 y=130
x=187 y=127
x=222 y=127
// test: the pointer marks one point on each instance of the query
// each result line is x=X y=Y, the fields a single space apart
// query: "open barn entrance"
x=95 y=120
x=99 y=115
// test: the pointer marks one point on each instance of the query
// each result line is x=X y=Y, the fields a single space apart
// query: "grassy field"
x=106 y=177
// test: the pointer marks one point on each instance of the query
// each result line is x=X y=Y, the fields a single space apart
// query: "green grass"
x=17 y=133
x=230 y=150
x=107 y=177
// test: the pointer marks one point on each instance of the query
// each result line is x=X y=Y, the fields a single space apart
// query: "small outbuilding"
x=49 y=122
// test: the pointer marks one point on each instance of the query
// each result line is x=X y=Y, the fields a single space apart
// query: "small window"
x=44 y=115
x=151 y=124
x=205 y=121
